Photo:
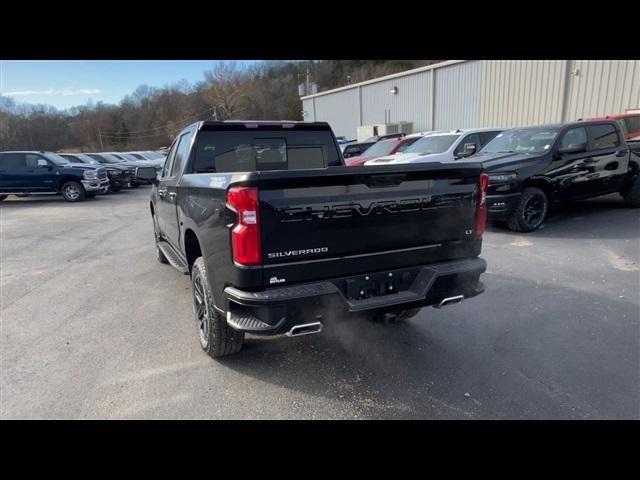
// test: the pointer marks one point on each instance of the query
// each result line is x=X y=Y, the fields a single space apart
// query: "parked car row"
x=75 y=176
x=534 y=167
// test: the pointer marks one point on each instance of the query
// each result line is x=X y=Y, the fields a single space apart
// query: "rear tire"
x=217 y=338
x=530 y=212
x=631 y=196
x=115 y=189
x=73 y=192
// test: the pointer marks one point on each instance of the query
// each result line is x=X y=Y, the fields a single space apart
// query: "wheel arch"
x=192 y=247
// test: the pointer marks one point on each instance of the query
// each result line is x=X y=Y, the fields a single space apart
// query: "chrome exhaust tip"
x=304 y=329
x=450 y=301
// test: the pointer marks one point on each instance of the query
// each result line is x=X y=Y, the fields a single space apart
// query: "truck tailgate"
x=341 y=221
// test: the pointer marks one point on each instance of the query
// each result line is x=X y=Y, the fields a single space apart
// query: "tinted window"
x=486 y=137
x=181 y=153
x=31 y=160
x=13 y=160
x=573 y=137
x=246 y=151
x=633 y=124
x=169 y=161
x=604 y=136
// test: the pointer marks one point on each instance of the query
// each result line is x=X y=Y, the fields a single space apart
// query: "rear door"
x=339 y=222
x=13 y=173
x=167 y=191
x=608 y=158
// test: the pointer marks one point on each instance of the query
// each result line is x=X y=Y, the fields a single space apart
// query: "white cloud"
x=65 y=92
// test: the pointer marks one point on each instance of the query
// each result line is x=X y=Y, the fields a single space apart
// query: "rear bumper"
x=500 y=207
x=276 y=310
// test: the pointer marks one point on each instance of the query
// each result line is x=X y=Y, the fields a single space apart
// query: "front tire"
x=73 y=192
x=530 y=211
x=217 y=338
x=631 y=195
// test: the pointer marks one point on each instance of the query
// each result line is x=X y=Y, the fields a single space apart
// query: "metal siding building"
x=482 y=93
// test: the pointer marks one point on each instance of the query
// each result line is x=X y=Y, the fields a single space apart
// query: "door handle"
x=590 y=160
x=621 y=153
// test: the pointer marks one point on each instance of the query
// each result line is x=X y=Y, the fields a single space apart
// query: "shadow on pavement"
x=486 y=358
x=601 y=217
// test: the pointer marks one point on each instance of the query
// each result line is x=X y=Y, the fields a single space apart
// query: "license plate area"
x=379 y=284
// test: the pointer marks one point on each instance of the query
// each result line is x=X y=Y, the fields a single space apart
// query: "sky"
x=64 y=84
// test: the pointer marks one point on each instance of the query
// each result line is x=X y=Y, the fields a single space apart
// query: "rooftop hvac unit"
x=388 y=128
x=405 y=127
x=366 y=131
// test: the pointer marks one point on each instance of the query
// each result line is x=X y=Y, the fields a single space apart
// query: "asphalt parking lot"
x=92 y=326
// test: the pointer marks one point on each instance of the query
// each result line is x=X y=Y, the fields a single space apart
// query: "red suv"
x=629 y=123
x=381 y=148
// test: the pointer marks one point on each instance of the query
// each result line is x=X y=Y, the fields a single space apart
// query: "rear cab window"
x=255 y=150
x=603 y=136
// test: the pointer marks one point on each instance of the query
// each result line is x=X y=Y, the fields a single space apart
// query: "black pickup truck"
x=278 y=235
x=531 y=168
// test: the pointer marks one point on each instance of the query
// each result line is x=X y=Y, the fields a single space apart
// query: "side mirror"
x=146 y=173
x=573 y=148
x=469 y=149
x=43 y=163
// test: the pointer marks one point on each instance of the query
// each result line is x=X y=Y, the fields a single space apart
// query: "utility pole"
x=307 y=91
x=100 y=140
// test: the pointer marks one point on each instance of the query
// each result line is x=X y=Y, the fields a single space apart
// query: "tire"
x=134 y=185
x=530 y=211
x=631 y=195
x=73 y=192
x=115 y=189
x=156 y=232
x=217 y=338
x=2 y=197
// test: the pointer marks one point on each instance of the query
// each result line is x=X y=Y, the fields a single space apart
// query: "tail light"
x=245 y=235
x=481 y=212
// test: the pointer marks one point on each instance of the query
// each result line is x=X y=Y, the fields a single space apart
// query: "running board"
x=174 y=260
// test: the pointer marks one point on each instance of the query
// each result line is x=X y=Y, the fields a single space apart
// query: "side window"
x=633 y=124
x=573 y=137
x=13 y=160
x=31 y=160
x=181 y=153
x=486 y=137
x=169 y=161
x=603 y=136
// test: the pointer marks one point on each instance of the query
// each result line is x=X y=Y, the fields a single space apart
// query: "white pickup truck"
x=442 y=146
